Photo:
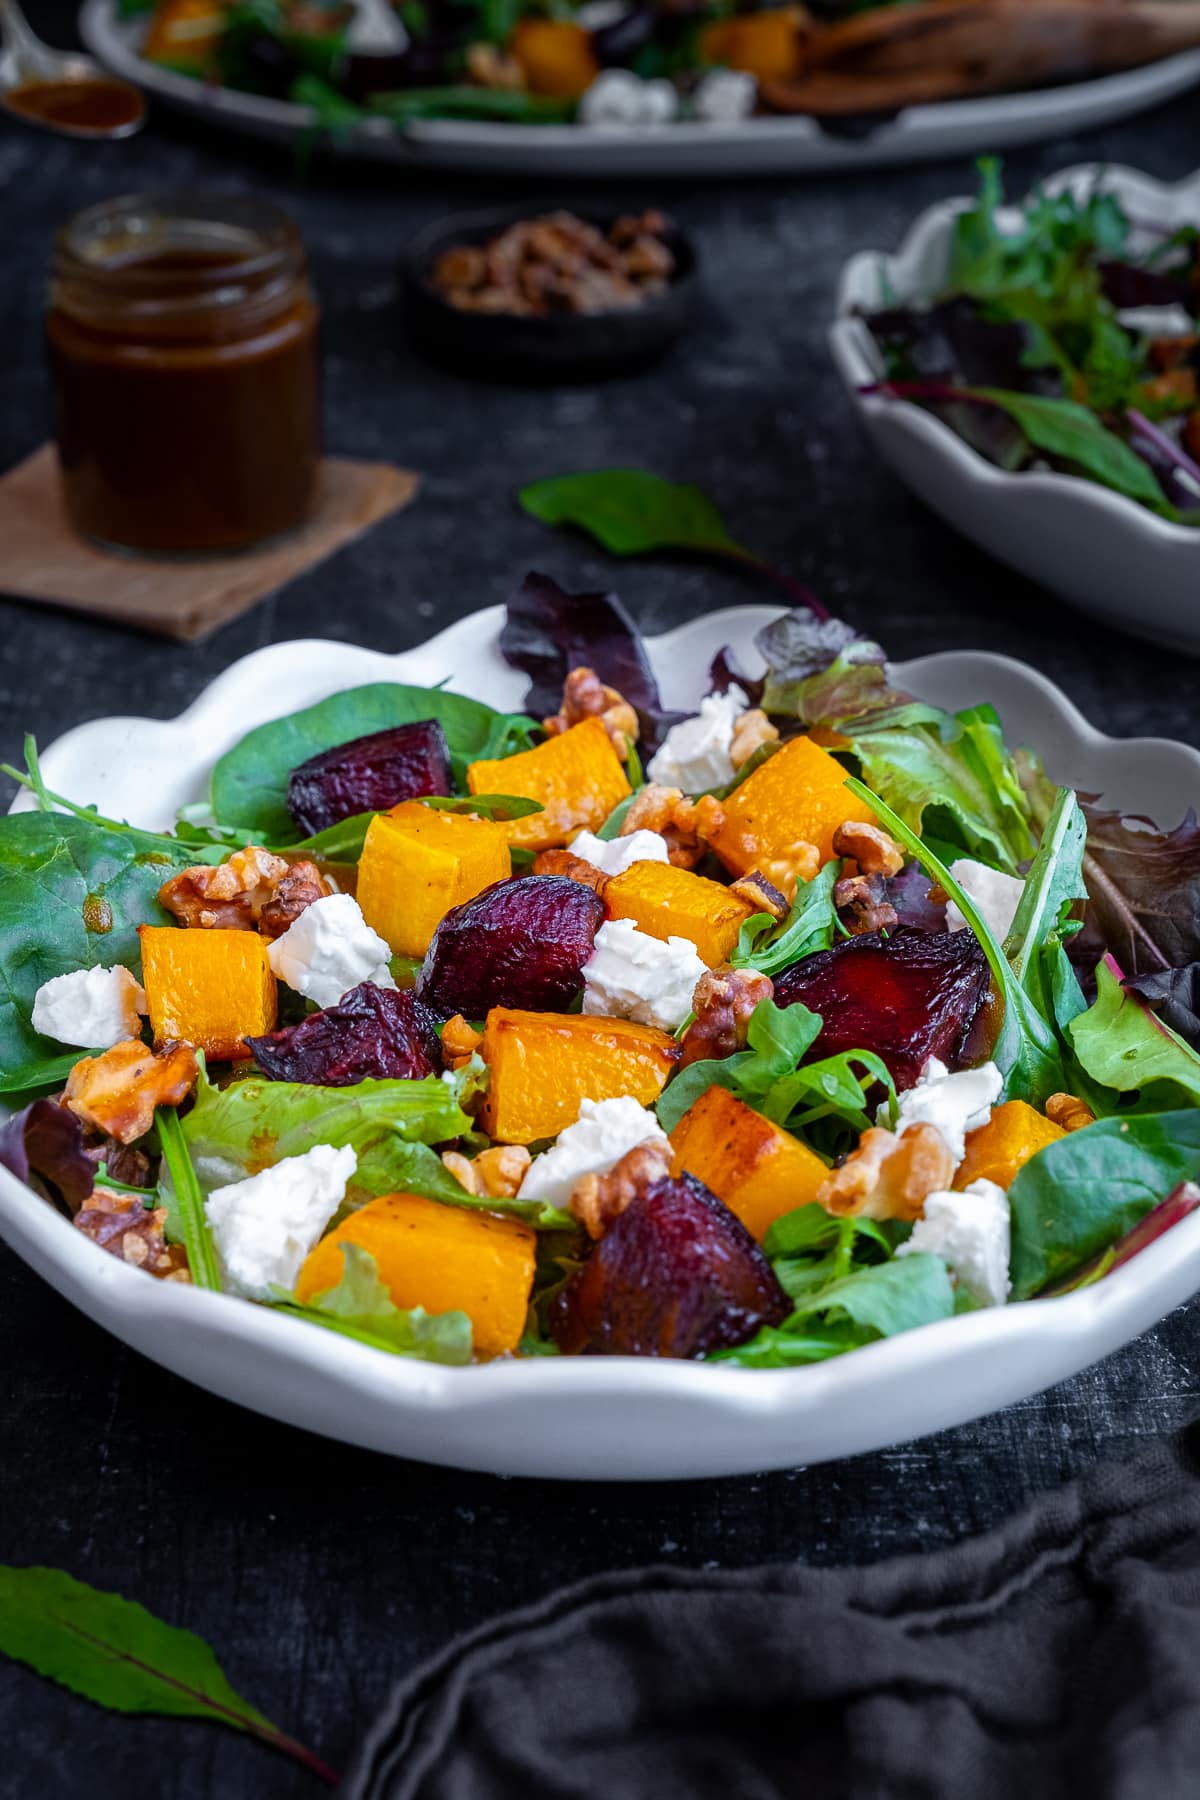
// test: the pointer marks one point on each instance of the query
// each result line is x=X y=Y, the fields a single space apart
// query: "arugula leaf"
x=879 y=1300
x=236 y=1131
x=1029 y=1053
x=185 y=1201
x=631 y=512
x=989 y=259
x=1081 y=1193
x=919 y=759
x=484 y=806
x=1123 y=1046
x=249 y=783
x=253 y=1124
x=811 y=925
x=361 y=1307
x=115 y=1653
x=72 y=895
x=1042 y=921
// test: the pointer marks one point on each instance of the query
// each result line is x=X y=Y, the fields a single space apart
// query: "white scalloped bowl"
x=594 y=1418
x=1103 y=553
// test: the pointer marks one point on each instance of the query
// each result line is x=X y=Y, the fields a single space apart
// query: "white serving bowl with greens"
x=1099 y=549
x=595 y=1418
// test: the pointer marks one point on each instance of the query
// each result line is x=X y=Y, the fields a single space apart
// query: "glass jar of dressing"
x=183 y=350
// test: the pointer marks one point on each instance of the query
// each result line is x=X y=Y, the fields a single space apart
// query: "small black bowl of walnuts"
x=550 y=295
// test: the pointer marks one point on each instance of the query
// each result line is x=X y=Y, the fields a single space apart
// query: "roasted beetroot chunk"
x=520 y=943
x=371 y=1034
x=675 y=1275
x=370 y=774
x=907 y=996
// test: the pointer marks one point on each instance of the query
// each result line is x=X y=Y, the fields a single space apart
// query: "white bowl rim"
x=848 y=335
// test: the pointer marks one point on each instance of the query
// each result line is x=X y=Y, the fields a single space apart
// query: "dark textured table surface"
x=320 y=1572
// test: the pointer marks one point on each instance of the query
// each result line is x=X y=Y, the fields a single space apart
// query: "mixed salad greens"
x=760 y=1033
x=610 y=63
x=1065 y=338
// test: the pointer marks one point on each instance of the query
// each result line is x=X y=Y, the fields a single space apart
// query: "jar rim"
x=268 y=239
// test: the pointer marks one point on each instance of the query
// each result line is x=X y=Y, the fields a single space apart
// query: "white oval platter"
x=754 y=147
x=594 y=1418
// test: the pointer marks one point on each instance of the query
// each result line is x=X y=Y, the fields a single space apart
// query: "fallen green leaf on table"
x=112 y=1651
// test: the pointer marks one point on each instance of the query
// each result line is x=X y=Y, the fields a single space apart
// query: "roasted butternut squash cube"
x=759 y=1170
x=577 y=778
x=763 y=44
x=542 y=1065
x=797 y=796
x=185 y=35
x=210 y=989
x=999 y=1150
x=417 y=863
x=669 y=902
x=556 y=59
x=444 y=1258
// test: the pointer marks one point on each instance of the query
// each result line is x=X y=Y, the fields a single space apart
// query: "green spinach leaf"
x=1083 y=1192
x=876 y=1301
x=72 y=895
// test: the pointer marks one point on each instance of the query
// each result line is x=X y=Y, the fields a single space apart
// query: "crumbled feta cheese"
x=724 y=96
x=996 y=896
x=955 y=1104
x=618 y=97
x=605 y=1131
x=329 y=950
x=94 y=1008
x=614 y=855
x=265 y=1226
x=1157 y=321
x=971 y=1232
x=635 y=976
x=694 y=754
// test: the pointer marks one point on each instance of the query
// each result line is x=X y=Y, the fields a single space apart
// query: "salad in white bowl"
x=1032 y=373
x=758 y=1035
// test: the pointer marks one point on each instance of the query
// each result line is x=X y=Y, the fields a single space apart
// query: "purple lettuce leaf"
x=725 y=672
x=1128 y=285
x=548 y=632
x=1178 y=474
x=1174 y=994
x=820 y=669
x=909 y=893
x=1143 y=894
x=45 y=1140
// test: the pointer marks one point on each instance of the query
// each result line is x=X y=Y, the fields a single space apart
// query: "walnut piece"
x=494 y=1174
x=491 y=67
x=239 y=893
x=889 y=1176
x=575 y=868
x=873 y=850
x=460 y=1041
x=302 y=884
x=723 y=1002
x=596 y=1200
x=1069 y=1112
x=120 y=1224
x=757 y=892
x=687 y=825
x=118 y=1092
x=585 y=696
x=752 y=729
x=864 y=899
x=790 y=866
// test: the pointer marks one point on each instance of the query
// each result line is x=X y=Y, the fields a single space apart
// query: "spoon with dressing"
x=60 y=90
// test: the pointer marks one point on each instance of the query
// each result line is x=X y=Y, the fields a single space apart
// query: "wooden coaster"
x=42 y=560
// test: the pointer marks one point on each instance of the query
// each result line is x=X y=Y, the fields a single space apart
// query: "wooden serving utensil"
x=935 y=50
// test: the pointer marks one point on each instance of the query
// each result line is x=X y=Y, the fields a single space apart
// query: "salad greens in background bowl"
x=848 y=1329
x=1031 y=372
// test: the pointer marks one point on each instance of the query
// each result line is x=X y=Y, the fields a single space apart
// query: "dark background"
x=320 y=1572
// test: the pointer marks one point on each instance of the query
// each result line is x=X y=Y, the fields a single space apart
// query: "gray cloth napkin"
x=1058 y=1655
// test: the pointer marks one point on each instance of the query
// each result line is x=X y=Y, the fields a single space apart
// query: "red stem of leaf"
x=267 y=1734
x=795 y=590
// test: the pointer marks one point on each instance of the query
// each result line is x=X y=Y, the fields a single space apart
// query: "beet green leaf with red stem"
x=112 y=1651
x=633 y=512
